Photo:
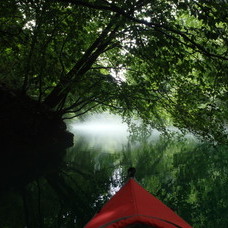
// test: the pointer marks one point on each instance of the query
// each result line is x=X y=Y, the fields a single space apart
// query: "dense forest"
x=161 y=62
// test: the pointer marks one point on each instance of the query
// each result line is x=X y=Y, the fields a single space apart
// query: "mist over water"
x=103 y=131
x=107 y=132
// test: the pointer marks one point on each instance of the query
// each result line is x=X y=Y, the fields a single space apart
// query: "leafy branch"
x=158 y=27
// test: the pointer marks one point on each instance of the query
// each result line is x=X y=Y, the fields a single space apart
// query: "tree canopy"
x=165 y=61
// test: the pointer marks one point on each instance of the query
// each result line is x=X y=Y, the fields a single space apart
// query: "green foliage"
x=165 y=62
x=162 y=61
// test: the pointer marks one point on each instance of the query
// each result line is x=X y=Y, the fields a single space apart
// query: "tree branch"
x=158 y=27
x=82 y=113
x=83 y=65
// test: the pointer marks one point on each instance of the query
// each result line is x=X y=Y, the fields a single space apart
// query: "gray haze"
x=104 y=131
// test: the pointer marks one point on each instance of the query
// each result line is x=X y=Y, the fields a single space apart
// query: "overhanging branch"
x=83 y=64
x=158 y=27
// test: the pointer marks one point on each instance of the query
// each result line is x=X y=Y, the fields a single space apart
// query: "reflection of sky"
x=103 y=131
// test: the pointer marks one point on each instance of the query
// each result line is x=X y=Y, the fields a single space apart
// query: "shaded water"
x=188 y=176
